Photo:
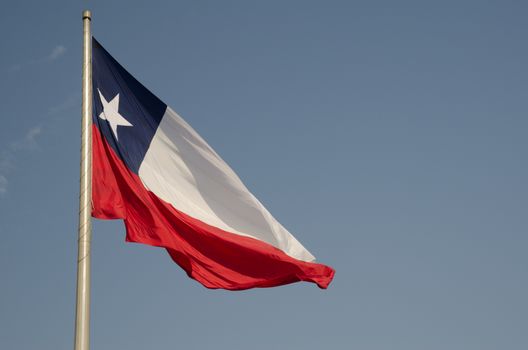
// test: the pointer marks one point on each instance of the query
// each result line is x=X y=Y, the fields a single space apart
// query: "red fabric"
x=213 y=257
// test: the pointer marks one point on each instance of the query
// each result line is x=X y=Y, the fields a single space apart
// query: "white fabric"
x=111 y=113
x=182 y=169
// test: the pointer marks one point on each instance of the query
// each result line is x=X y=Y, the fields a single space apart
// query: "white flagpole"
x=82 y=312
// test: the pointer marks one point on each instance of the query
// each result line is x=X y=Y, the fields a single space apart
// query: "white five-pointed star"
x=111 y=114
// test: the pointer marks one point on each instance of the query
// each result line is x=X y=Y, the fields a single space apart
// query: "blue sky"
x=388 y=137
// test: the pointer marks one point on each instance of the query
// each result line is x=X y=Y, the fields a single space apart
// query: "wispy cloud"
x=55 y=53
x=73 y=100
x=15 y=67
x=3 y=185
x=28 y=142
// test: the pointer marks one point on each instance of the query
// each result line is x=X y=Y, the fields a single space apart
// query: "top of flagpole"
x=87 y=14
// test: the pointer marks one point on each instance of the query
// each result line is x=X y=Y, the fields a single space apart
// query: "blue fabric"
x=136 y=104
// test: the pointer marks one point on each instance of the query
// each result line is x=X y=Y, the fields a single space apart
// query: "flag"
x=152 y=170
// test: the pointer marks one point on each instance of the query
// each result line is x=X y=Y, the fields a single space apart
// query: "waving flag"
x=151 y=169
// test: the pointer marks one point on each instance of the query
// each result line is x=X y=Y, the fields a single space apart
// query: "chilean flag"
x=151 y=169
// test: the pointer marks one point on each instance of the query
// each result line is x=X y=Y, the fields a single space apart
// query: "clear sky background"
x=390 y=137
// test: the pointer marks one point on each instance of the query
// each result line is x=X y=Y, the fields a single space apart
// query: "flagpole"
x=82 y=313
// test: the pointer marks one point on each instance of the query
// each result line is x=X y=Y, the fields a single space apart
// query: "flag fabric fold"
x=151 y=169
